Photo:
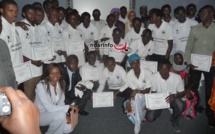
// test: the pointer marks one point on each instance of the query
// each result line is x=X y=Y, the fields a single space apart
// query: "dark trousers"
x=80 y=102
x=177 y=106
x=158 y=58
x=194 y=79
x=125 y=94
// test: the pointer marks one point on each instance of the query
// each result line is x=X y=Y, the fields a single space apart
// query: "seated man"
x=116 y=79
x=166 y=81
x=72 y=79
x=92 y=71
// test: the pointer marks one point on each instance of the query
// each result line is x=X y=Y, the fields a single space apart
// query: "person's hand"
x=192 y=66
x=167 y=57
x=188 y=94
x=60 y=52
x=81 y=87
x=37 y=63
x=23 y=25
x=170 y=98
x=74 y=109
x=53 y=58
x=133 y=93
x=115 y=95
x=25 y=116
x=104 y=39
x=128 y=106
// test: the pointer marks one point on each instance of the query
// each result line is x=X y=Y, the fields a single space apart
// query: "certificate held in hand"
x=156 y=101
x=23 y=72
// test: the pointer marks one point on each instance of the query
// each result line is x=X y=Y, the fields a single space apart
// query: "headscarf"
x=133 y=57
x=179 y=67
x=114 y=10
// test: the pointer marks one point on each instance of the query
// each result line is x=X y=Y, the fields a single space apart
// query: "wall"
x=104 y=6
x=172 y=3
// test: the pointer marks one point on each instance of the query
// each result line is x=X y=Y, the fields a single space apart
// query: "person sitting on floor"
x=77 y=91
x=165 y=81
x=138 y=81
x=115 y=76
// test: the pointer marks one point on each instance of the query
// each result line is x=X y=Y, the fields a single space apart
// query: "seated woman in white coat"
x=50 y=101
x=138 y=81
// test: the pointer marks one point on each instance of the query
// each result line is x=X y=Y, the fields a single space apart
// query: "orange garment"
x=211 y=102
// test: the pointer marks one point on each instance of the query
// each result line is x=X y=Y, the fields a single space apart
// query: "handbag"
x=72 y=117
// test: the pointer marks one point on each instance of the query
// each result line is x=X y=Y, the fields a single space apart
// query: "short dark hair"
x=72 y=57
x=27 y=7
x=110 y=59
x=91 y=53
x=4 y=3
x=117 y=29
x=146 y=31
x=62 y=8
x=157 y=12
x=208 y=7
x=110 y=15
x=69 y=15
x=190 y=5
x=123 y=7
x=96 y=10
x=136 y=19
x=165 y=6
x=164 y=62
x=37 y=3
x=179 y=8
x=84 y=15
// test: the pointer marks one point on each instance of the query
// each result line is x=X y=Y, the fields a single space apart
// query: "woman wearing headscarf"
x=138 y=81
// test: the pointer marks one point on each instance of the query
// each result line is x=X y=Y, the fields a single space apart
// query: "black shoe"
x=82 y=112
x=211 y=124
x=200 y=109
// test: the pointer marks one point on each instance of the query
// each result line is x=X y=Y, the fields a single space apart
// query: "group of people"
x=94 y=55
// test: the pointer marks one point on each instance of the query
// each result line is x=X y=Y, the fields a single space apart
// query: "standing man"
x=202 y=41
x=162 y=36
x=123 y=14
x=145 y=19
x=97 y=22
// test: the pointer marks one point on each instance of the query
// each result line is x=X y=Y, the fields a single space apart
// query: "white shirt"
x=99 y=24
x=106 y=31
x=140 y=83
x=29 y=39
x=70 y=33
x=142 y=50
x=98 y=66
x=47 y=103
x=70 y=73
x=75 y=35
x=161 y=36
x=118 y=55
x=181 y=33
x=171 y=22
x=123 y=20
x=132 y=35
x=64 y=24
x=117 y=79
x=10 y=35
x=91 y=34
x=172 y=85
x=47 y=32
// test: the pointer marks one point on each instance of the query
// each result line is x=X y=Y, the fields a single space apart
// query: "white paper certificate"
x=156 y=101
x=42 y=52
x=150 y=65
x=103 y=99
x=75 y=47
x=203 y=62
x=91 y=74
x=58 y=44
x=23 y=72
